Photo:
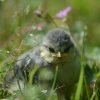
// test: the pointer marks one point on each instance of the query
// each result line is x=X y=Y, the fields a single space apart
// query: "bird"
x=57 y=50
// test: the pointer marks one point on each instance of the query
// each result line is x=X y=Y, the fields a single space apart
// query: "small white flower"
x=8 y=51
x=30 y=35
x=44 y=91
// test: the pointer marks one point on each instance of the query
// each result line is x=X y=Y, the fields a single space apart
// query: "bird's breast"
x=68 y=69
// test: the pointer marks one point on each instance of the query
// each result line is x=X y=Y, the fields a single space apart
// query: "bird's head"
x=56 y=44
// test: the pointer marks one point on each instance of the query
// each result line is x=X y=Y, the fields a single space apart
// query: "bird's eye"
x=51 y=50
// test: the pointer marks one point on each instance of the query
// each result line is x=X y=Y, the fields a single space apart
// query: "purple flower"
x=64 y=12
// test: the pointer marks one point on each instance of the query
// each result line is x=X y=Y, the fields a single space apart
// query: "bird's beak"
x=58 y=55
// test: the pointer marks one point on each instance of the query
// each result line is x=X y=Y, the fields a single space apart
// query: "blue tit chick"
x=58 y=49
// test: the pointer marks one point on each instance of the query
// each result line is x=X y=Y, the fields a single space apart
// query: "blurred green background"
x=23 y=23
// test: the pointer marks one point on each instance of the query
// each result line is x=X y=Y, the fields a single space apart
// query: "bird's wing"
x=20 y=71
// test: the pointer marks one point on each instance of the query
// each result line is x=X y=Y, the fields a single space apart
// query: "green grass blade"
x=54 y=82
x=32 y=73
x=55 y=77
x=80 y=83
x=81 y=78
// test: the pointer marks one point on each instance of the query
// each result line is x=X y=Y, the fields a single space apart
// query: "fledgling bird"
x=58 y=49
